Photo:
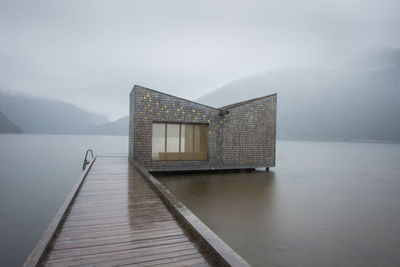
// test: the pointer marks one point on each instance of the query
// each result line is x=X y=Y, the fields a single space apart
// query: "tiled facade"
x=242 y=135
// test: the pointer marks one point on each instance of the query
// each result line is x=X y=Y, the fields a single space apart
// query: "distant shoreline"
x=369 y=141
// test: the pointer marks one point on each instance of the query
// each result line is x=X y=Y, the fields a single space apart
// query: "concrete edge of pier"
x=211 y=241
x=224 y=254
x=48 y=235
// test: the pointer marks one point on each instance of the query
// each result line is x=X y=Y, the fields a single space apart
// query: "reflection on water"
x=326 y=204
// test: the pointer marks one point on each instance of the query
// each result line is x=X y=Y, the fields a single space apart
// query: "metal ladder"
x=86 y=161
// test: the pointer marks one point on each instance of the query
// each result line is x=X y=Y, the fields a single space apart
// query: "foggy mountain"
x=118 y=127
x=356 y=101
x=6 y=126
x=42 y=116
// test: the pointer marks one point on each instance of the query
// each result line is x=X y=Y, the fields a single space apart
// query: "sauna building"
x=168 y=133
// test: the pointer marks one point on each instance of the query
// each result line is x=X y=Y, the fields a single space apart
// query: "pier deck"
x=117 y=219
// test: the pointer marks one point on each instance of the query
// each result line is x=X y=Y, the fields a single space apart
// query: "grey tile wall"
x=243 y=138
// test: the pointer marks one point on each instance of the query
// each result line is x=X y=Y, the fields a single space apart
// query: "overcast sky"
x=91 y=53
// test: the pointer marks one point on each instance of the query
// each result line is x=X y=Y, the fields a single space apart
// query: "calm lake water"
x=325 y=204
x=36 y=174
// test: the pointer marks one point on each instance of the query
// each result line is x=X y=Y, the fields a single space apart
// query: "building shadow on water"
x=233 y=204
x=240 y=207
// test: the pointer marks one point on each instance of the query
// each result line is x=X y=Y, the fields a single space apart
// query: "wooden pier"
x=116 y=216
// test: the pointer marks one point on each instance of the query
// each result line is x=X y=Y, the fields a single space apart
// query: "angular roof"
x=174 y=96
x=244 y=102
x=219 y=109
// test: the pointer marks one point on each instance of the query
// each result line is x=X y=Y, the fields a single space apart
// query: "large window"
x=179 y=141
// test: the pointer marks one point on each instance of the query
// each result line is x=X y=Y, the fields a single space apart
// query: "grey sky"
x=91 y=53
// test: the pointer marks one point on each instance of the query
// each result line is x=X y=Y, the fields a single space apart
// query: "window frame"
x=180 y=155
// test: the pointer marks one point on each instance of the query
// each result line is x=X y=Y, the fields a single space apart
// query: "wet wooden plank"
x=225 y=254
x=118 y=219
x=42 y=245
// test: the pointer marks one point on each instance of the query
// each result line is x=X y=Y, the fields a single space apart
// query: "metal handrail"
x=86 y=161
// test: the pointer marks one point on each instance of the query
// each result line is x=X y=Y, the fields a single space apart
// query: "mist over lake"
x=69 y=70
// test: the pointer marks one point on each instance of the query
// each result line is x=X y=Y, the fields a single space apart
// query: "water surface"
x=325 y=204
x=36 y=174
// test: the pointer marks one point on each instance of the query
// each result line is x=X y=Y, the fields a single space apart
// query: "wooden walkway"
x=117 y=219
